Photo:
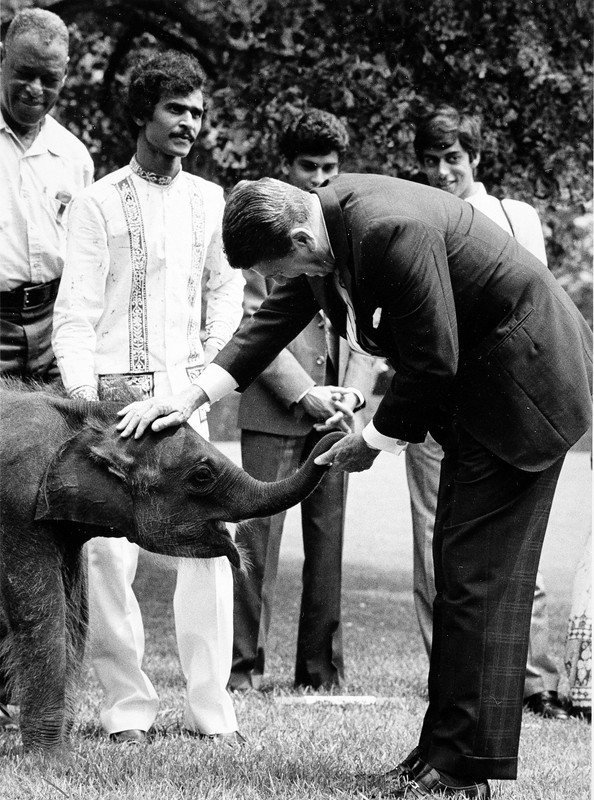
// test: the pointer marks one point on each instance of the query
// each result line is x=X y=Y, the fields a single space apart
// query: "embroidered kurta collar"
x=151 y=177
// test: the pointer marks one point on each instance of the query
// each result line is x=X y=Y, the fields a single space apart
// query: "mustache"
x=183 y=135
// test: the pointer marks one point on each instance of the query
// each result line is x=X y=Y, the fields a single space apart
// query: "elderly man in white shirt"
x=129 y=308
x=448 y=147
x=42 y=166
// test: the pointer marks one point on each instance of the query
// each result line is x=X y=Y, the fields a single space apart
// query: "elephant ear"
x=86 y=483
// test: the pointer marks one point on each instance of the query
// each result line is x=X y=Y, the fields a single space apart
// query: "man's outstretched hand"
x=165 y=412
x=349 y=454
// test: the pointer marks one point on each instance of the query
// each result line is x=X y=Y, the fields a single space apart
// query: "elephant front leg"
x=42 y=688
x=35 y=604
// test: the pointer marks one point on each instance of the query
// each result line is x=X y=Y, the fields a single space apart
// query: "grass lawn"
x=301 y=751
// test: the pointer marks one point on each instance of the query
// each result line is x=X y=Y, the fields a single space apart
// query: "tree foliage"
x=524 y=65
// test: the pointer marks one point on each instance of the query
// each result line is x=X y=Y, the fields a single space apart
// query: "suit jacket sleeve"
x=280 y=318
x=404 y=270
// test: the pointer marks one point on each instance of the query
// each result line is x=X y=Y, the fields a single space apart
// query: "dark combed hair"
x=440 y=127
x=40 y=21
x=165 y=74
x=258 y=219
x=314 y=132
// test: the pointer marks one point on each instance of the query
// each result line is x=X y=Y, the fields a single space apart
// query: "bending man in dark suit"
x=280 y=417
x=490 y=356
x=448 y=146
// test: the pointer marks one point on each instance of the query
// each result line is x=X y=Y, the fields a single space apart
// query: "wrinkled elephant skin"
x=67 y=476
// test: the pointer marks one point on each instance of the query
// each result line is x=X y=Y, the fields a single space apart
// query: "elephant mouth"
x=207 y=540
x=228 y=545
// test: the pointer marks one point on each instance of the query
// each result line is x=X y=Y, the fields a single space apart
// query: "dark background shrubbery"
x=524 y=65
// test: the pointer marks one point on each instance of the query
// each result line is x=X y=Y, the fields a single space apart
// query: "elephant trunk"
x=262 y=499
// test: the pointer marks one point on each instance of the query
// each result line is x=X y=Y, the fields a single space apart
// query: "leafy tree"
x=525 y=66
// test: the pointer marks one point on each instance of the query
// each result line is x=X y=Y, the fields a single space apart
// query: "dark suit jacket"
x=475 y=326
x=268 y=405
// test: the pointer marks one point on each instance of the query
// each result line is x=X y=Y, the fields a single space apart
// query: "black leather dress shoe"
x=245 y=681
x=428 y=782
x=132 y=736
x=547 y=704
x=397 y=777
x=581 y=712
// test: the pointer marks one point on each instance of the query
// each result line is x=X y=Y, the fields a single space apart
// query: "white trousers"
x=203 y=613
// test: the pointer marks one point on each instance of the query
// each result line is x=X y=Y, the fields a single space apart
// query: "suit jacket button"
x=320 y=360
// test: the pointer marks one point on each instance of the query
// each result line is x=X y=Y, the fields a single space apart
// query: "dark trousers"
x=319 y=659
x=26 y=343
x=490 y=525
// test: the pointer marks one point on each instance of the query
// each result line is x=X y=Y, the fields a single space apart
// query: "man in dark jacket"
x=281 y=417
x=490 y=356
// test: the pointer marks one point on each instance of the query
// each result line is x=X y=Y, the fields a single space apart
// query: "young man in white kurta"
x=130 y=307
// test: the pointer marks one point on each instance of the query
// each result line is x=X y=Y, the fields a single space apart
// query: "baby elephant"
x=66 y=476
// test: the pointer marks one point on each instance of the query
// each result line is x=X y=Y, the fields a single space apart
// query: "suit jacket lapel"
x=324 y=288
x=326 y=292
x=337 y=232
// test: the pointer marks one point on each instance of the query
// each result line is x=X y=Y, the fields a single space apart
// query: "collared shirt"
x=36 y=186
x=130 y=300
x=519 y=219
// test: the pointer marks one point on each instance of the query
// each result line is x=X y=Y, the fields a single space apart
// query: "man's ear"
x=65 y=75
x=284 y=166
x=303 y=237
x=475 y=161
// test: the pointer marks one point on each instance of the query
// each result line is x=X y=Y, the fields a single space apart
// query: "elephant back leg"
x=35 y=606
x=5 y=692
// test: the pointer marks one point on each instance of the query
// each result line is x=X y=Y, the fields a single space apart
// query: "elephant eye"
x=201 y=479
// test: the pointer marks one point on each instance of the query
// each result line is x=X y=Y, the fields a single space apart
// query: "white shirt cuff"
x=216 y=382
x=378 y=441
